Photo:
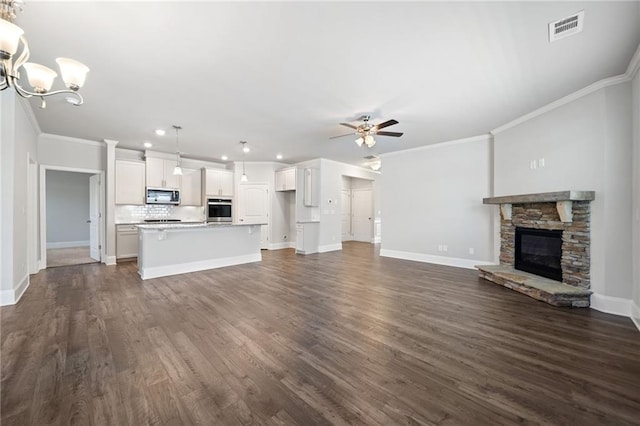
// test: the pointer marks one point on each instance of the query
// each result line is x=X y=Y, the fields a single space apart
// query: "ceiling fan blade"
x=349 y=125
x=341 y=136
x=394 y=134
x=387 y=124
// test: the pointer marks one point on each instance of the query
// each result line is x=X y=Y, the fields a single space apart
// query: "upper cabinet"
x=130 y=176
x=160 y=173
x=191 y=188
x=286 y=179
x=218 y=182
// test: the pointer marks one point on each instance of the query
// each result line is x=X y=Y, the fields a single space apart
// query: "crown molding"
x=72 y=140
x=632 y=69
x=479 y=138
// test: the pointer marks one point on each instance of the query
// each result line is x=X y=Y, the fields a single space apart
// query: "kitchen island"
x=170 y=249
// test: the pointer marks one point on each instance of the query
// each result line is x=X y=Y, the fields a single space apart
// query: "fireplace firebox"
x=539 y=251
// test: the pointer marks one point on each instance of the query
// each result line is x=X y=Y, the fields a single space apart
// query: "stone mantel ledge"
x=563 y=199
x=543 y=197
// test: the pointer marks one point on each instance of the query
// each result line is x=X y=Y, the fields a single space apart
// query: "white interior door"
x=346 y=215
x=362 y=221
x=94 y=217
x=253 y=203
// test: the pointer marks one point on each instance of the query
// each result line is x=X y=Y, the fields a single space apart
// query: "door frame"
x=33 y=253
x=43 y=209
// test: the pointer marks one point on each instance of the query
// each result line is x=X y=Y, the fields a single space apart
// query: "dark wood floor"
x=335 y=338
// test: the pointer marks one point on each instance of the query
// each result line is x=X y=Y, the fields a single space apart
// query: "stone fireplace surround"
x=569 y=211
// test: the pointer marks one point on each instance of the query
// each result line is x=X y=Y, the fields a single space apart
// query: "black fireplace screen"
x=539 y=251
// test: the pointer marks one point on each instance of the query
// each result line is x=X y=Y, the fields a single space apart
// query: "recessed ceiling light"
x=246 y=149
x=148 y=144
x=224 y=158
x=279 y=156
x=160 y=132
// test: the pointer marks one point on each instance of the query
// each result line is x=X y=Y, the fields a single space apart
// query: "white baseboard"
x=285 y=245
x=329 y=247
x=183 y=268
x=11 y=297
x=438 y=260
x=611 y=305
x=635 y=314
x=68 y=244
x=109 y=260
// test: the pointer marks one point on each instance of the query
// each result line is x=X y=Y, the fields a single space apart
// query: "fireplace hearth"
x=539 y=251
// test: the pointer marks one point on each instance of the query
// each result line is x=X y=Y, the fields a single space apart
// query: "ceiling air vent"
x=566 y=27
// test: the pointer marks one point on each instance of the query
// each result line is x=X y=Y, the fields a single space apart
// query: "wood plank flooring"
x=335 y=338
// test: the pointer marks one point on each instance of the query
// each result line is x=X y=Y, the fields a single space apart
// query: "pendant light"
x=245 y=149
x=177 y=170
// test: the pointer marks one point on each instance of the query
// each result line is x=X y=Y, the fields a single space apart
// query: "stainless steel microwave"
x=163 y=196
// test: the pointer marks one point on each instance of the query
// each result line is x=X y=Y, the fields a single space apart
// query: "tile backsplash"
x=126 y=213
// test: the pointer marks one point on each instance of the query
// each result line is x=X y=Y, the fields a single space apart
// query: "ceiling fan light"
x=369 y=140
x=40 y=77
x=359 y=141
x=74 y=73
x=9 y=38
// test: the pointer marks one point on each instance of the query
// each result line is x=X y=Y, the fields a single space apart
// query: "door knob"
x=89 y=221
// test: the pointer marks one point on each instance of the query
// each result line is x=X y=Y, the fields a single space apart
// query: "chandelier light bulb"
x=40 y=77
x=74 y=73
x=9 y=38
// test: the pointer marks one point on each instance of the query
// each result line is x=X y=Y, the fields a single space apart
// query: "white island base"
x=167 y=249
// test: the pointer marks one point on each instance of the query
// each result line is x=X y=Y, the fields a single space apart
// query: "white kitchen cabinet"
x=286 y=179
x=307 y=237
x=130 y=178
x=126 y=241
x=253 y=203
x=218 y=183
x=191 y=187
x=311 y=187
x=160 y=173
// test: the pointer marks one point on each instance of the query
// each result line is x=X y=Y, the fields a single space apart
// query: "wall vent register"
x=566 y=27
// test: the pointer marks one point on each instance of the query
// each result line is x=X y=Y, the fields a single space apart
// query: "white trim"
x=611 y=305
x=109 y=260
x=67 y=244
x=279 y=246
x=635 y=314
x=26 y=106
x=438 y=260
x=634 y=64
x=183 y=268
x=611 y=81
x=329 y=247
x=376 y=240
x=73 y=140
x=478 y=138
x=11 y=297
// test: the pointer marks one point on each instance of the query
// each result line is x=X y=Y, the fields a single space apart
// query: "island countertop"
x=187 y=225
x=171 y=248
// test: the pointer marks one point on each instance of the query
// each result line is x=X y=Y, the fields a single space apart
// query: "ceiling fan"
x=368 y=130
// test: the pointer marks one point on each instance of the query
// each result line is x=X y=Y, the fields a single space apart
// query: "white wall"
x=63 y=151
x=67 y=201
x=636 y=199
x=19 y=133
x=586 y=145
x=432 y=196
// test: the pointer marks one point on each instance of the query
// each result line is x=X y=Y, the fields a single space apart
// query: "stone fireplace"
x=566 y=214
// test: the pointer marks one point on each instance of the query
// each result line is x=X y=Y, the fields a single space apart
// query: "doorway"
x=357 y=209
x=71 y=226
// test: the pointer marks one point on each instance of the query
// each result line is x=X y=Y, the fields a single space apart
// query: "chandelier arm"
x=27 y=94
x=24 y=55
x=3 y=73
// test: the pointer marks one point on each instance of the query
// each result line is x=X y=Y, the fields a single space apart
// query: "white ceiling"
x=283 y=75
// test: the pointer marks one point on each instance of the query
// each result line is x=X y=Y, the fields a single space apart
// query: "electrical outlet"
x=533 y=164
x=541 y=163
x=471 y=250
x=445 y=248
x=440 y=247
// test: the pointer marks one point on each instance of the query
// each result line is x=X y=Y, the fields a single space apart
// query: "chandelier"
x=40 y=77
